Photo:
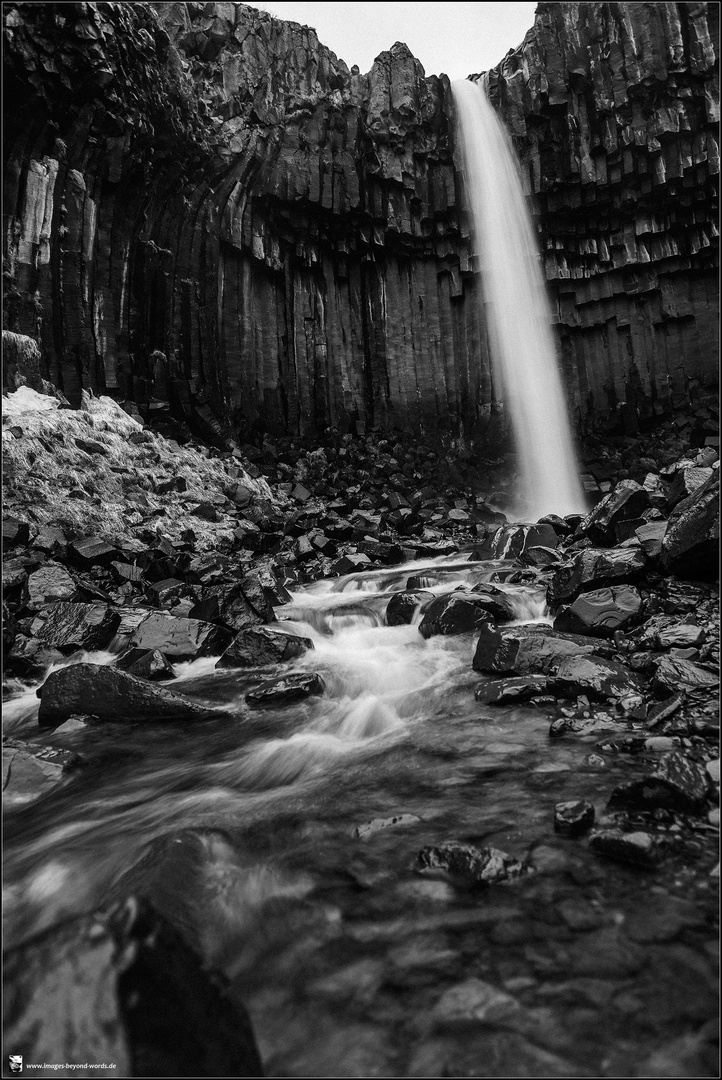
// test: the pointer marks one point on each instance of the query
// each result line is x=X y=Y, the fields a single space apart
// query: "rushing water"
x=243 y=830
x=517 y=312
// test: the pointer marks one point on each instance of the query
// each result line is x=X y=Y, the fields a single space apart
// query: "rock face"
x=308 y=264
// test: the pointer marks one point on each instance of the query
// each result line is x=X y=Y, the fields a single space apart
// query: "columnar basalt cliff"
x=205 y=206
x=614 y=109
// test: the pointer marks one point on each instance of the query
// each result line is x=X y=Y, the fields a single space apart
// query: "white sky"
x=455 y=39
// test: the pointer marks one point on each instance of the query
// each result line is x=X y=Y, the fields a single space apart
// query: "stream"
x=269 y=837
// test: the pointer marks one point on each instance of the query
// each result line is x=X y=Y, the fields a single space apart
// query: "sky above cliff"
x=455 y=39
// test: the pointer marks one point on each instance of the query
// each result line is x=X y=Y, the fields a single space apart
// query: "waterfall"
x=517 y=313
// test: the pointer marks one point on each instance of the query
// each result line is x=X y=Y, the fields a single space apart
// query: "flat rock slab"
x=286 y=691
x=596 y=676
x=110 y=694
x=180 y=639
x=673 y=674
x=507 y=691
x=524 y=650
x=124 y=987
x=260 y=647
x=600 y=612
x=470 y=865
x=76 y=626
x=363 y=832
x=30 y=771
x=50 y=583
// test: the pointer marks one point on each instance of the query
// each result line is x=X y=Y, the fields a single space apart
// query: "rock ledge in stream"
x=470 y=865
x=123 y=987
x=111 y=694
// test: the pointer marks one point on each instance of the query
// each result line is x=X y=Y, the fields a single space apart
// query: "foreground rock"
x=691 y=543
x=110 y=694
x=526 y=650
x=30 y=771
x=123 y=987
x=601 y=612
x=594 y=568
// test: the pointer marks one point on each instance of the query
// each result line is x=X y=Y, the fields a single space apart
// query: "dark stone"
x=455 y=613
x=651 y=536
x=122 y=986
x=559 y=524
x=350 y=564
x=573 y=818
x=678 y=783
x=259 y=647
x=600 y=612
x=111 y=694
x=162 y=592
x=638 y=849
x=690 y=547
x=286 y=690
x=526 y=650
x=594 y=568
x=663 y=709
x=146 y=664
x=179 y=639
x=15 y=533
x=402 y=606
x=470 y=865
x=505 y=691
x=300 y=493
x=127 y=572
x=624 y=503
x=597 y=676
x=673 y=674
x=511 y=541
x=494 y=601
x=206 y=511
x=92 y=551
x=76 y=626
x=50 y=583
x=685 y=482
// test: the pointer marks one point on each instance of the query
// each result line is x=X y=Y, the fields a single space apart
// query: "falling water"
x=517 y=312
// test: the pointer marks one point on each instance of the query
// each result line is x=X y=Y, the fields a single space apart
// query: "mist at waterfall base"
x=517 y=313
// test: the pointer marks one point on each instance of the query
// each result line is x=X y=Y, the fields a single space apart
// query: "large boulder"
x=594 y=568
x=595 y=676
x=601 y=612
x=456 y=613
x=512 y=541
x=276 y=693
x=110 y=694
x=260 y=647
x=526 y=650
x=121 y=986
x=690 y=547
x=47 y=585
x=625 y=502
x=179 y=639
x=75 y=626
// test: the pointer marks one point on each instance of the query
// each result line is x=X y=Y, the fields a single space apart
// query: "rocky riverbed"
x=319 y=734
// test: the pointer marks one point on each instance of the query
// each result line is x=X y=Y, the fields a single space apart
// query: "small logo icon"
x=16 y=1063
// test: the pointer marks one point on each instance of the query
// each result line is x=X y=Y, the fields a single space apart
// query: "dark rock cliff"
x=203 y=205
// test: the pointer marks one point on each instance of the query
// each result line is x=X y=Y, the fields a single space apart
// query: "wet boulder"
x=685 y=482
x=595 y=676
x=637 y=848
x=650 y=536
x=122 y=986
x=402 y=607
x=495 y=601
x=455 y=613
x=469 y=865
x=178 y=638
x=76 y=626
x=526 y=650
x=147 y=664
x=110 y=694
x=594 y=568
x=690 y=547
x=15 y=533
x=678 y=783
x=259 y=647
x=624 y=503
x=601 y=612
x=508 y=691
x=91 y=552
x=673 y=673
x=512 y=541
x=276 y=693
x=46 y=585
x=573 y=818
